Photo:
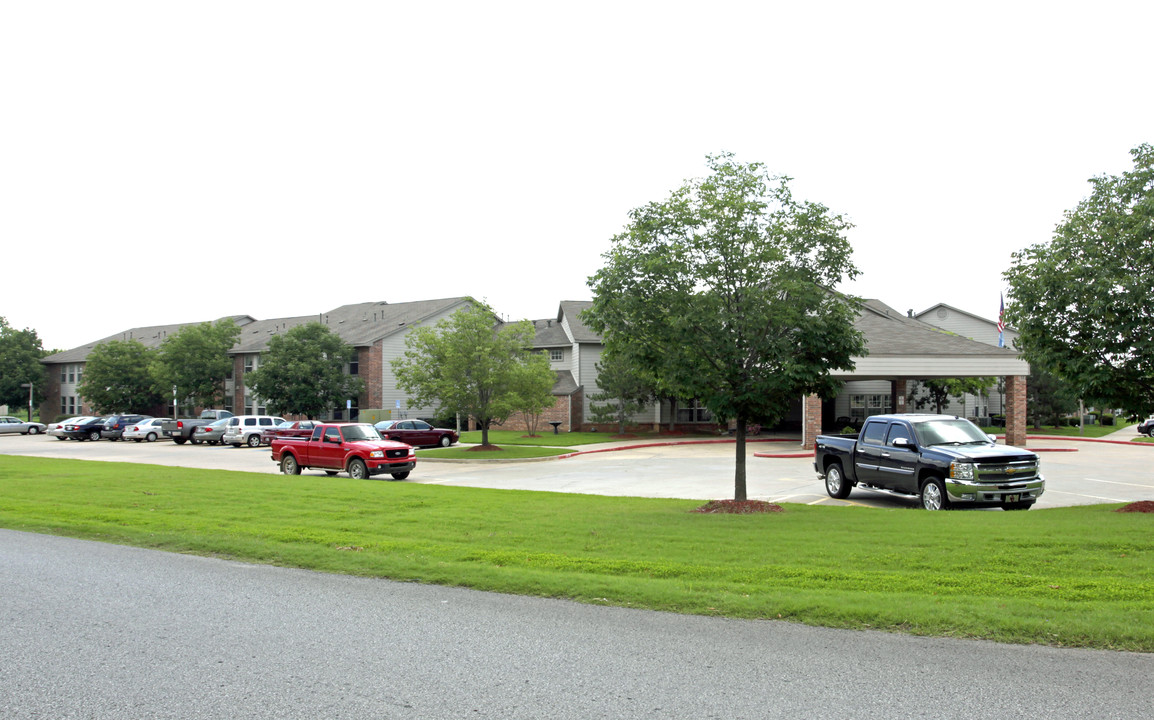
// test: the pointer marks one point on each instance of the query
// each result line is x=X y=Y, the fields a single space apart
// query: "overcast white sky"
x=166 y=162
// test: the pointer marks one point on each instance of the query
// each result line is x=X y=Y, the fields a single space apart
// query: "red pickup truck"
x=356 y=448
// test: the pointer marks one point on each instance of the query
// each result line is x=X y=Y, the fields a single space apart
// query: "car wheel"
x=835 y=482
x=180 y=441
x=330 y=473
x=446 y=441
x=357 y=469
x=289 y=466
x=94 y=435
x=253 y=440
x=194 y=441
x=401 y=475
x=150 y=437
x=33 y=430
x=1150 y=431
x=934 y=495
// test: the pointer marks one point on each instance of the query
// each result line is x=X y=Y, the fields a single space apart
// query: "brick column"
x=1016 y=410
x=899 y=393
x=811 y=419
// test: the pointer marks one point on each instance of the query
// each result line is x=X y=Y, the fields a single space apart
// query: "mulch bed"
x=739 y=507
x=483 y=448
x=1142 y=506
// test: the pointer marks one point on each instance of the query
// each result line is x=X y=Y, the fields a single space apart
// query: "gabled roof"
x=549 y=333
x=565 y=384
x=359 y=325
x=570 y=310
x=951 y=308
x=889 y=332
x=150 y=336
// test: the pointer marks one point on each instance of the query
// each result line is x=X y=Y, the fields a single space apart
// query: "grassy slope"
x=1079 y=576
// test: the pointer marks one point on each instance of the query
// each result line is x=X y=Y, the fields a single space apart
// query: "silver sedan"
x=9 y=424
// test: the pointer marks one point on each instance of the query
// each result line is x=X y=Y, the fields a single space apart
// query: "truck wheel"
x=253 y=440
x=357 y=469
x=401 y=475
x=446 y=441
x=288 y=465
x=835 y=482
x=934 y=495
x=180 y=441
x=1150 y=431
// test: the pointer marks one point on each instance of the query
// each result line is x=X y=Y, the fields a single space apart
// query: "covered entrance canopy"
x=902 y=349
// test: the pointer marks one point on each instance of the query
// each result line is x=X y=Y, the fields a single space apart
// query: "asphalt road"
x=97 y=631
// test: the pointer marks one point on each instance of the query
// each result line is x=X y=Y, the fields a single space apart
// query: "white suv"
x=246 y=429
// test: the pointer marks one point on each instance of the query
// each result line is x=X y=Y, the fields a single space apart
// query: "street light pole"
x=30 y=387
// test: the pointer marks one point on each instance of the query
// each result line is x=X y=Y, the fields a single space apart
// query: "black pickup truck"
x=941 y=459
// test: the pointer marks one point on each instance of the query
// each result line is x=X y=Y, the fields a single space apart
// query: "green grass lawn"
x=1081 y=576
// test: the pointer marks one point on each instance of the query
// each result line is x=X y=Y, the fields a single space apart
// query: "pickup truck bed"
x=943 y=460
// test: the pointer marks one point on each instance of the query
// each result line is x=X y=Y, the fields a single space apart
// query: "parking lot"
x=1077 y=473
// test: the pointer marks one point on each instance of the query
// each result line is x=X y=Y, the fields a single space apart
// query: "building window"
x=249 y=363
x=557 y=355
x=693 y=412
x=72 y=404
x=71 y=373
x=63 y=405
x=354 y=367
x=80 y=373
x=63 y=374
x=863 y=406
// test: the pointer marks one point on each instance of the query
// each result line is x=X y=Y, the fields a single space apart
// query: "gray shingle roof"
x=890 y=332
x=571 y=310
x=150 y=336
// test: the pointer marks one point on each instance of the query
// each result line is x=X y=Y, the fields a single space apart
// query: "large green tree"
x=724 y=289
x=303 y=371
x=20 y=353
x=118 y=378
x=1082 y=302
x=467 y=364
x=196 y=362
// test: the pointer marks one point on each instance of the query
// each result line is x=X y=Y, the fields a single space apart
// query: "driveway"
x=1077 y=473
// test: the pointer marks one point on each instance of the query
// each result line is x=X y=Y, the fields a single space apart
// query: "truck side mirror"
x=903 y=443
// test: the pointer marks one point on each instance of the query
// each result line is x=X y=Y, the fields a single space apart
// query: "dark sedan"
x=87 y=430
x=288 y=428
x=417 y=433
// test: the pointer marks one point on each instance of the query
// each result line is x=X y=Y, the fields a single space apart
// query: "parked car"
x=147 y=430
x=89 y=429
x=1146 y=427
x=56 y=430
x=288 y=428
x=211 y=433
x=9 y=424
x=246 y=429
x=417 y=433
x=182 y=430
x=115 y=425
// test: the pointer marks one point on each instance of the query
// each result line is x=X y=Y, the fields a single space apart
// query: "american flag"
x=1001 y=320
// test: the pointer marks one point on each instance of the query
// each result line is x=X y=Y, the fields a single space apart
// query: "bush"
x=1107 y=419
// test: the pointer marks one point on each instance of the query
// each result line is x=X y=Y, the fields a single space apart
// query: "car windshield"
x=954 y=431
x=385 y=424
x=360 y=432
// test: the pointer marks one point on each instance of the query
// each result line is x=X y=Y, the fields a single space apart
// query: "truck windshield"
x=360 y=432
x=954 y=431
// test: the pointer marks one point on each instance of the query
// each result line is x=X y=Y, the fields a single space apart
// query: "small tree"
x=118 y=378
x=20 y=353
x=1048 y=398
x=303 y=371
x=939 y=390
x=532 y=387
x=624 y=390
x=467 y=365
x=196 y=362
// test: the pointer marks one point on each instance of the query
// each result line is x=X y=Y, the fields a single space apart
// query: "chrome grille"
x=1005 y=472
